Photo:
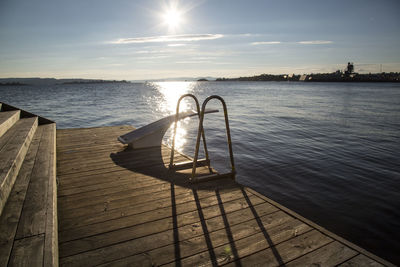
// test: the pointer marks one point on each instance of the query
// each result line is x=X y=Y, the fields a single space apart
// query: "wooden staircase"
x=28 y=189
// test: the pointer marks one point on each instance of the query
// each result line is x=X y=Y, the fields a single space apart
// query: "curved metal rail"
x=206 y=161
x=201 y=132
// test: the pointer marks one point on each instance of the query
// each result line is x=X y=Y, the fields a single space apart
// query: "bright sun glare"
x=170 y=93
x=173 y=18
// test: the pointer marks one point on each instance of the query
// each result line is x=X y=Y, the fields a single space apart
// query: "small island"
x=12 y=84
x=94 y=81
x=53 y=81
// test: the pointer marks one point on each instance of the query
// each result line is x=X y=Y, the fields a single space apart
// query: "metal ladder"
x=200 y=134
x=185 y=165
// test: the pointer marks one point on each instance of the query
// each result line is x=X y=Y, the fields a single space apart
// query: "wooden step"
x=29 y=218
x=14 y=145
x=8 y=119
x=12 y=211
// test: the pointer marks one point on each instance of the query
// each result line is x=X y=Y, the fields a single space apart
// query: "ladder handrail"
x=201 y=130
x=171 y=161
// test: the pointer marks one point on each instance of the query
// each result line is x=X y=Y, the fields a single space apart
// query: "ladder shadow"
x=153 y=162
x=263 y=230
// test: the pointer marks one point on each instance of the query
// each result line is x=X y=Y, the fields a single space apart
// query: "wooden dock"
x=121 y=207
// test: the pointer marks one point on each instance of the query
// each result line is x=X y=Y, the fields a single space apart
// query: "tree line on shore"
x=322 y=77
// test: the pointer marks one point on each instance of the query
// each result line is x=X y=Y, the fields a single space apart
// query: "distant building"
x=303 y=77
x=349 y=72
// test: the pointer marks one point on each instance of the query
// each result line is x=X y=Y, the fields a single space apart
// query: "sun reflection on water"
x=170 y=92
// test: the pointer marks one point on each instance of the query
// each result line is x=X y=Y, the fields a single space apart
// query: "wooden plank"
x=167 y=238
x=90 y=156
x=67 y=151
x=9 y=134
x=186 y=205
x=190 y=226
x=330 y=255
x=126 y=181
x=89 y=137
x=87 y=183
x=361 y=260
x=33 y=216
x=115 y=157
x=195 y=248
x=248 y=245
x=84 y=137
x=139 y=203
x=116 y=174
x=93 y=153
x=134 y=162
x=321 y=229
x=115 y=189
x=112 y=225
x=281 y=252
x=96 y=177
x=28 y=252
x=121 y=210
x=149 y=192
x=51 y=229
x=18 y=130
x=12 y=155
x=8 y=119
x=10 y=217
x=73 y=174
x=125 y=201
x=115 y=192
x=80 y=131
x=75 y=202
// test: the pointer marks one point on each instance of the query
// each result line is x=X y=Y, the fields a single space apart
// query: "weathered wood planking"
x=10 y=217
x=7 y=120
x=119 y=207
x=28 y=235
x=28 y=252
x=12 y=154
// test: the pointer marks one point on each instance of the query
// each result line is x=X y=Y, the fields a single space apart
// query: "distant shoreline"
x=53 y=81
x=393 y=77
x=321 y=77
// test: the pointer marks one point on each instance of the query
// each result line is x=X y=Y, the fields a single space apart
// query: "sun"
x=173 y=18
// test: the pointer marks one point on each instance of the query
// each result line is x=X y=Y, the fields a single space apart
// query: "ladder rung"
x=213 y=176
x=189 y=164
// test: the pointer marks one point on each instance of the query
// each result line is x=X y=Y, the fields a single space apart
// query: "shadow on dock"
x=154 y=162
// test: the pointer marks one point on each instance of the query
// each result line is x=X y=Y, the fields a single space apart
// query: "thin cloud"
x=315 y=42
x=168 y=38
x=312 y=42
x=176 y=45
x=265 y=43
x=193 y=62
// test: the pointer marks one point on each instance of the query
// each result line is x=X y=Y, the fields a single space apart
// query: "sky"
x=155 y=39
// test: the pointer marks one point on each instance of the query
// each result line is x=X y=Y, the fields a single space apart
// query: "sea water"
x=329 y=151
